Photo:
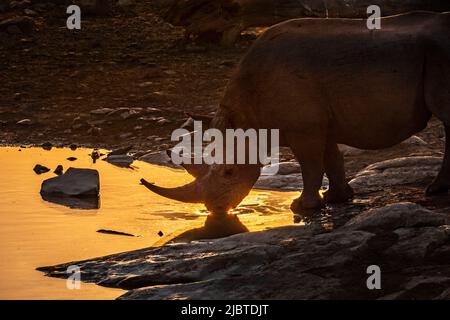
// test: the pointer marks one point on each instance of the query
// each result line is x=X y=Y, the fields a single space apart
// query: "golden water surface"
x=35 y=233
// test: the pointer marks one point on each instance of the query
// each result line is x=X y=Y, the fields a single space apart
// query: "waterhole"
x=35 y=232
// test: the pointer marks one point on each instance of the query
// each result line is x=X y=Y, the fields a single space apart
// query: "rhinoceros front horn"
x=186 y=193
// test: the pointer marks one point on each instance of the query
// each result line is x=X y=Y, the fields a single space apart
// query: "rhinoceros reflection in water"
x=327 y=81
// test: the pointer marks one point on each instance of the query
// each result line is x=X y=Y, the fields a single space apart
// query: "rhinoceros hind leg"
x=309 y=152
x=339 y=190
x=441 y=183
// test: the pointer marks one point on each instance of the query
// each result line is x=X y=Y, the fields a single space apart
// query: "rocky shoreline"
x=327 y=258
x=409 y=243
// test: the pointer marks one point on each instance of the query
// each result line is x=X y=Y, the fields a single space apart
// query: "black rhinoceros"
x=327 y=81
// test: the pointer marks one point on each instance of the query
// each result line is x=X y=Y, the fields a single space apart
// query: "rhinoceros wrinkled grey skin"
x=228 y=18
x=324 y=82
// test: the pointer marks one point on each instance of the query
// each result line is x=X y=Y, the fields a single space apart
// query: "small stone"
x=145 y=84
x=120 y=151
x=30 y=12
x=130 y=113
x=25 y=122
x=123 y=160
x=118 y=111
x=13 y=29
x=125 y=135
x=47 y=146
x=101 y=111
x=160 y=233
x=170 y=72
x=39 y=169
x=415 y=140
x=118 y=233
x=94 y=131
x=163 y=121
x=59 y=170
x=95 y=155
x=152 y=109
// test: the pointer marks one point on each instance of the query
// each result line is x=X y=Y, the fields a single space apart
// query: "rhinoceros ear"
x=196 y=170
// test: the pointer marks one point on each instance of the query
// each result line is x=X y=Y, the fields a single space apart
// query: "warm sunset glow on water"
x=35 y=233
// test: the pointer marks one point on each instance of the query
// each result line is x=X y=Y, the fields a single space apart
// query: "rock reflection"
x=86 y=203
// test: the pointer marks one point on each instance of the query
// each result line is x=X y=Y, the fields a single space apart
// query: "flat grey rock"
x=122 y=160
x=287 y=182
x=74 y=182
x=399 y=171
x=159 y=158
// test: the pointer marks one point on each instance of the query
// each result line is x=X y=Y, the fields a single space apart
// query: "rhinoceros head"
x=220 y=187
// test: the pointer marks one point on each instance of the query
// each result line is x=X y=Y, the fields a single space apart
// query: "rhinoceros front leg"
x=441 y=183
x=338 y=190
x=310 y=154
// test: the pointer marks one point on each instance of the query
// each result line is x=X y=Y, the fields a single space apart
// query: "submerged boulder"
x=74 y=183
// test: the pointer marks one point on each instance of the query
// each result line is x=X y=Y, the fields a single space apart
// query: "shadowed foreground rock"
x=410 y=244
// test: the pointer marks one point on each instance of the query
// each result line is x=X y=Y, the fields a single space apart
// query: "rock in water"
x=118 y=233
x=123 y=160
x=120 y=151
x=74 y=183
x=159 y=158
x=47 y=146
x=59 y=170
x=39 y=169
